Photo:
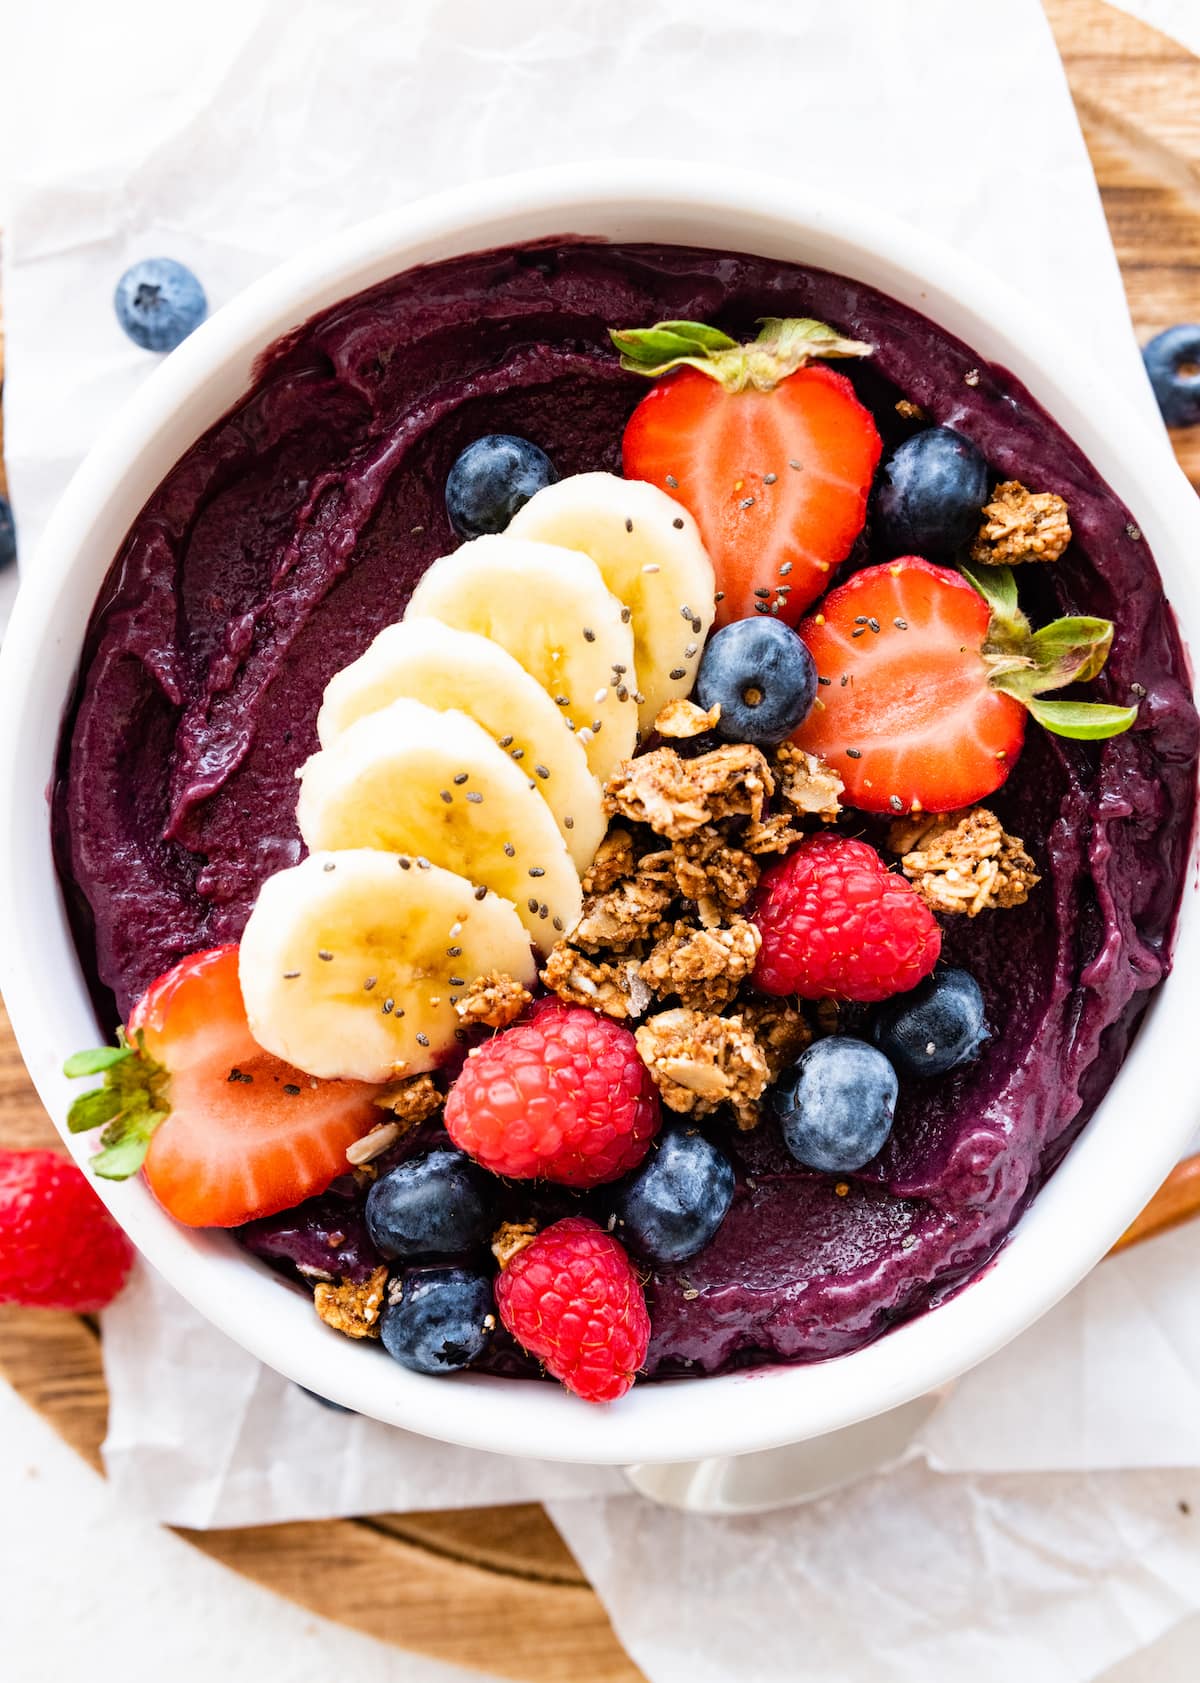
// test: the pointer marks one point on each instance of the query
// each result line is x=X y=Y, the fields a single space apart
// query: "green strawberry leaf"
x=998 y=588
x=123 y=1154
x=129 y=1104
x=94 y=1109
x=95 y=1061
x=1085 y=721
x=784 y=344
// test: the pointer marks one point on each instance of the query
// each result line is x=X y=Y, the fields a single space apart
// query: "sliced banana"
x=411 y=780
x=427 y=661
x=350 y=962
x=550 y=608
x=650 y=555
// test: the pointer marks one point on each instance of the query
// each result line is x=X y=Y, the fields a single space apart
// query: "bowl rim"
x=1048 y=1252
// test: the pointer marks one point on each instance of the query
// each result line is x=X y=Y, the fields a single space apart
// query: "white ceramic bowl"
x=1126 y=1150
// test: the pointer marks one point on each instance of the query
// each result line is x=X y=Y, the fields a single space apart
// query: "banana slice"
x=550 y=608
x=427 y=661
x=409 y=779
x=651 y=557
x=350 y=962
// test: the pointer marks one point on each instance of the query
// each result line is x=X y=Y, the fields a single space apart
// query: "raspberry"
x=59 y=1247
x=836 y=923
x=573 y=1300
x=563 y=1097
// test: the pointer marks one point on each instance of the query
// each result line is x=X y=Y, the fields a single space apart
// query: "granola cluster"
x=1020 y=525
x=963 y=861
x=493 y=1001
x=352 y=1307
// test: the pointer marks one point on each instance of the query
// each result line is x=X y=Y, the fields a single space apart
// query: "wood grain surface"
x=496 y=1588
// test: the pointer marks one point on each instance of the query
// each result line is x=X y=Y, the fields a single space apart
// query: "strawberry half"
x=926 y=676
x=773 y=458
x=225 y=1131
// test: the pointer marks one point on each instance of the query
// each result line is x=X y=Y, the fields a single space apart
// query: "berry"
x=8 y=534
x=936 y=1027
x=836 y=1104
x=326 y=1402
x=492 y=479
x=59 y=1247
x=159 y=302
x=564 y=1097
x=772 y=457
x=931 y=492
x=837 y=924
x=1172 y=361
x=442 y=1321
x=226 y=1132
x=436 y=1205
x=910 y=718
x=681 y=1195
x=764 y=678
x=572 y=1300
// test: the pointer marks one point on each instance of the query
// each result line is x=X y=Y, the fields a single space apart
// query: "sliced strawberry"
x=906 y=711
x=772 y=457
x=227 y=1132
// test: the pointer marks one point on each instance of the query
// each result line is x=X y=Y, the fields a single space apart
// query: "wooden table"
x=497 y=1588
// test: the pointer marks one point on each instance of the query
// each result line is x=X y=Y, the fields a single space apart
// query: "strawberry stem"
x=783 y=345
x=129 y=1105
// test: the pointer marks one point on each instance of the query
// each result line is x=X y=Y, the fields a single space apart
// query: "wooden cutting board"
x=496 y=1588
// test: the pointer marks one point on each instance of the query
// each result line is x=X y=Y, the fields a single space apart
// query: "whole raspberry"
x=59 y=1247
x=837 y=924
x=573 y=1300
x=563 y=1097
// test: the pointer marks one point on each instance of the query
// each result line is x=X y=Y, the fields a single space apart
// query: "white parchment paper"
x=231 y=134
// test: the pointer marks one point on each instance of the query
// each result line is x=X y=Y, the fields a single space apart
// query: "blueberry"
x=8 y=534
x=936 y=1027
x=762 y=674
x=443 y=1320
x=931 y=491
x=1173 y=363
x=677 y=1200
x=436 y=1205
x=492 y=479
x=326 y=1402
x=835 y=1105
x=159 y=302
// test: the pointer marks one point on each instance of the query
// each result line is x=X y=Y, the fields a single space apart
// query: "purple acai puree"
x=296 y=529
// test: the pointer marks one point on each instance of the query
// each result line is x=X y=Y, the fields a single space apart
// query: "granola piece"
x=614 y=860
x=698 y=1062
x=351 y=1306
x=909 y=411
x=680 y=718
x=677 y=797
x=705 y=967
x=963 y=861
x=615 y=988
x=773 y=835
x=781 y=1030
x=381 y=1138
x=1020 y=525
x=495 y=1000
x=829 y=1017
x=624 y=915
x=807 y=783
x=410 y=1100
x=707 y=868
x=511 y=1238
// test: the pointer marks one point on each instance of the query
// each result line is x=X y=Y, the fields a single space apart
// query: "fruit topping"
x=677 y=797
x=563 y=1097
x=1172 y=361
x=1020 y=525
x=59 y=1247
x=774 y=457
x=937 y=1027
x=836 y=923
x=931 y=491
x=159 y=302
x=435 y=1205
x=226 y=1131
x=8 y=534
x=551 y=609
x=650 y=556
x=963 y=861
x=925 y=679
x=674 y=1205
x=426 y=661
x=699 y=1062
x=572 y=1300
x=491 y=479
x=351 y=962
x=835 y=1106
x=438 y=1320
x=762 y=677
x=352 y=1307
x=409 y=780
